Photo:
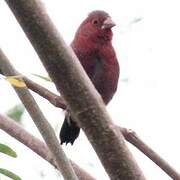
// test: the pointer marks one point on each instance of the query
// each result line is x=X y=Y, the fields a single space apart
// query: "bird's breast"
x=103 y=74
x=102 y=68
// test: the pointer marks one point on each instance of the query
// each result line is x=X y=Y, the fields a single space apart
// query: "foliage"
x=9 y=174
x=16 y=112
x=10 y=152
x=7 y=150
x=43 y=77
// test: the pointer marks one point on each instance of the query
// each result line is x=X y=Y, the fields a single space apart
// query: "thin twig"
x=40 y=121
x=15 y=130
x=133 y=138
x=54 y=99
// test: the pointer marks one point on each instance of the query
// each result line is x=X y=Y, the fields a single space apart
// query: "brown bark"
x=134 y=139
x=54 y=99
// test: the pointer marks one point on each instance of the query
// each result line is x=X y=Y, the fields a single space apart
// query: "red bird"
x=93 y=47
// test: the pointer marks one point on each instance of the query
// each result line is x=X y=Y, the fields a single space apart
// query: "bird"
x=92 y=45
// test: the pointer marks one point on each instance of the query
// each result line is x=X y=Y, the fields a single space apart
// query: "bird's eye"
x=95 y=22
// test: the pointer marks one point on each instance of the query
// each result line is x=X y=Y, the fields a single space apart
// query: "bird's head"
x=96 y=27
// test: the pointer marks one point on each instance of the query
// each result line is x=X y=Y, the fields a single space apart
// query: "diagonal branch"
x=15 y=130
x=54 y=99
x=133 y=138
x=40 y=121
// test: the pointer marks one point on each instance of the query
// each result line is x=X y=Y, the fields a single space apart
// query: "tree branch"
x=54 y=99
x=15 y=130
x=84 y=102
x=133 y=138
x=40 y=121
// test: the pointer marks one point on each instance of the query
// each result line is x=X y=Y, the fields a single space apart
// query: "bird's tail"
x=69 y=130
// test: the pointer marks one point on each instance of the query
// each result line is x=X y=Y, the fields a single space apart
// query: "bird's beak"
x=108 y=23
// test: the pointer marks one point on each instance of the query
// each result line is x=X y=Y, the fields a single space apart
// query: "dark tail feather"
x=69 y=131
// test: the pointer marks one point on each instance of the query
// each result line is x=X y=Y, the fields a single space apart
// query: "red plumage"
x=93 y=46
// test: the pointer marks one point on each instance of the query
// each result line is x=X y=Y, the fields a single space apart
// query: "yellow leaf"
x=14 y=81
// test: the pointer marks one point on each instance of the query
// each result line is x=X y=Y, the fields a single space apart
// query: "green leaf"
x=43 y=77
x=16 y=112
x=7 y=150
x=9 y=174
